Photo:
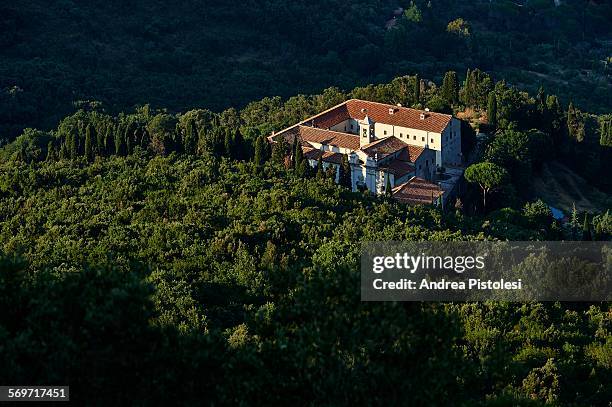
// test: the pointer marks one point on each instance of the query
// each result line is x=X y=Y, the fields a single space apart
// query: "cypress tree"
x=345 y=173
x=239 y=147
x=267 y=149
x=218 y=141
x=294 y=151
x=300 y=162
x=574 y=220
x=50 y=152
x=99 y=141
x=473 y=89
x=80 y=129
x=467 y=86
x=118 y=140
x=258 y=159
x=127 y=138
x=191 y=139
x=492 y=110
x=145 y=139
x=450 y=88
x=320 y=172
x=605 y=136
x=228 y=144
x=128 y=145
x=279 y=151
x=571 y=119
x=575 y=127
x=417 y=89
x=62 y=153
x=195 y=138
x=66 y=145
x=72 y=147
x=88 y=144
x=107 y=137
x=597 y=232
x=586 y=230
x=187 y=135
x=388 y=188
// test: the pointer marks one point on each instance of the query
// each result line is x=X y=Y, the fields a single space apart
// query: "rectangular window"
x=401 y=135
x=414 y=138
x=431 y=141
x=385 y=132
x=423 y=139
x=351 y=127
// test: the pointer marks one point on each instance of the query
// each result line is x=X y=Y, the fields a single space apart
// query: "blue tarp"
x=557 y=213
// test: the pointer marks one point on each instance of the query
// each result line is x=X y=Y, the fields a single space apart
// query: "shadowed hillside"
x=215 y=54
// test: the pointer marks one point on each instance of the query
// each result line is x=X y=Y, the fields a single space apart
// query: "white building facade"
x=381 y=141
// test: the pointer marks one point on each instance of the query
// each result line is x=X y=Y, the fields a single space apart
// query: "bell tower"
x=366 y=131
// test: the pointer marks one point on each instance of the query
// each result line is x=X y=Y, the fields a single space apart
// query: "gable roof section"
x=327 y=156
x=384 y=147
x=399 y=168
x=411 y=153
x=417 y=191
x=379 y=112
x=330 y=117
x=333 y=138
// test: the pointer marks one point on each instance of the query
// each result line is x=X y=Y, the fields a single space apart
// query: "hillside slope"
x=214 y=54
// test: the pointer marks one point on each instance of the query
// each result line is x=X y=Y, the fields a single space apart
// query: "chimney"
x=422 y=116
x=427 y=109
x=391 y=110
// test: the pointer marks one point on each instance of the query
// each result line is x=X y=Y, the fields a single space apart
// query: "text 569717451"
x=34 y=393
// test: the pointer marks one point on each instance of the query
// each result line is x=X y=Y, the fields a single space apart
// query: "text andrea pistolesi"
x=423 y=263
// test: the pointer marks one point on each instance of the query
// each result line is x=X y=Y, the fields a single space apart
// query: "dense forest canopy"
x=216 y=54
x=176 y=254
x=525 y=131
x=200 y=278
x=155 y=247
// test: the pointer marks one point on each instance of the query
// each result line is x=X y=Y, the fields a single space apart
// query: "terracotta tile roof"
x=310 y=152
x=411 y=154
x=289 y=136
x=384 y=147
x=328 y=156
x=329 y=117
x=417 y=191
x=333 y=138
x=379 y=112
x=398 y=168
